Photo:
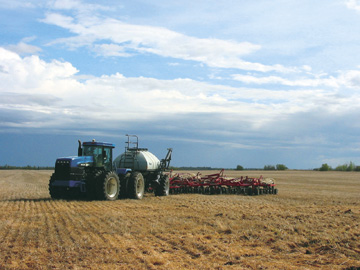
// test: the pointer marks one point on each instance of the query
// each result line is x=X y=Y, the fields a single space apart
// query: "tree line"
x=351 y=167
x=278 y=167
x=27 y=167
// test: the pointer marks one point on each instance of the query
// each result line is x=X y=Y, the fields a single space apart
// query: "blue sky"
x=224 y=82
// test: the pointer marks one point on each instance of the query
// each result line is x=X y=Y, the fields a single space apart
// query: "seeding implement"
x=219 y=184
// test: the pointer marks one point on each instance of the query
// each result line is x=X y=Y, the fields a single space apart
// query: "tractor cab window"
x=96 y=152
x=107 y=158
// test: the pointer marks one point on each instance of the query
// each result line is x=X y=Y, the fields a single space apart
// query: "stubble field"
x=313 y=223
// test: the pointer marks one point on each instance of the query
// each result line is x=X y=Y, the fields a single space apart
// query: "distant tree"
x=357 y=168
x=347 y=167
x=351 y=167
x=341 y=168
x=281 y=167
x=325 y=167
x=269 y=168
x=239 y=168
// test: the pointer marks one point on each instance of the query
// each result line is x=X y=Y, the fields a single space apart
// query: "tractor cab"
x=100 y=152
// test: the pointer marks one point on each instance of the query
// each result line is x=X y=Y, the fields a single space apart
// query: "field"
x=313 y=223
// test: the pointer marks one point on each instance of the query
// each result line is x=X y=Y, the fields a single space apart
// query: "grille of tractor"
x=62 y=169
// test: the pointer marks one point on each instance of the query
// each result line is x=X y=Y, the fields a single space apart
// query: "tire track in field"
x=151 y=250
x=6 y=223
x=125 y=244
x=9 y=232
x=16 y=236
x=52 y=234
x=83 y=225
x=97 y=234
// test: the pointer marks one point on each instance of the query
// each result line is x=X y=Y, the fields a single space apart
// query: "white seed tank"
x=139 y=159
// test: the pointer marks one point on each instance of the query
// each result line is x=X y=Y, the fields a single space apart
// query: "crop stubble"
x=312 y=223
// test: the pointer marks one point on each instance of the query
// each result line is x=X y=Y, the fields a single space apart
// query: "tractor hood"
x=83 y=161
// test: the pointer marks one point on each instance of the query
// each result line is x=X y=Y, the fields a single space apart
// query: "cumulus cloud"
x=47 y=94
x=22 y=74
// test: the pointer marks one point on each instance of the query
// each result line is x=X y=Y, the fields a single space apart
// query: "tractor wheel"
x=109 y=186
x=55 y=192
x=136 y=187
x=163 y=188
x=124 y=184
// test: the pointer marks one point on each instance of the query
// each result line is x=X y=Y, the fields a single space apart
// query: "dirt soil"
x=313 y=223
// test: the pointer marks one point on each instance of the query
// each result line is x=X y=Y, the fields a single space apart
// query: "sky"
x=224 y=83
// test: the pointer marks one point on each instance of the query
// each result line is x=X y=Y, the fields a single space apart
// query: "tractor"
x=93 y=174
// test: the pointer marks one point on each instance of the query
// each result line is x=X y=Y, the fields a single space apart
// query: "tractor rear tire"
x=136 y=186
x=163 y=188
x=109 y=186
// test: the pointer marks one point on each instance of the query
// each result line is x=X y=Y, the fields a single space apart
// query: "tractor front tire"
x=136 y=186
x=55 y=192
x=163 y=188
x=109 y=186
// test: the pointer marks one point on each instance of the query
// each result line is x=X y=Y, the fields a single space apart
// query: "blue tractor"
x=93 y=175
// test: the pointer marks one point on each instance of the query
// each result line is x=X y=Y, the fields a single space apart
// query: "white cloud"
x=349 y=79
x=23 y=47
x=353 y=4
x=36 y=93
x=75 y=5
x=22 y=74
x=130 y=38
x=111 y=50
x=304 y=82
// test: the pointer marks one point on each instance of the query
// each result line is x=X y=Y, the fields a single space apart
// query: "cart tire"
x=136 y=187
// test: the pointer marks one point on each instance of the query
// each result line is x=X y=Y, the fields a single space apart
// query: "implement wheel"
x=136 y=187
x=163 y=188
